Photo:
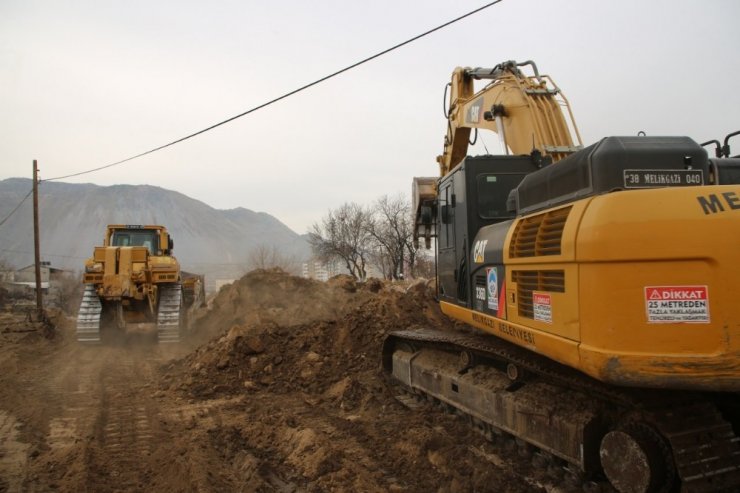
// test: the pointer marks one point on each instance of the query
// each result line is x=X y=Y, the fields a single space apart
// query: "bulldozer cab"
x=155 y=239
x=145 y=238
x=133 y=285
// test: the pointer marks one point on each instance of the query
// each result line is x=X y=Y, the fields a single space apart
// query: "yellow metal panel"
x=564 y=319
x=139 y=254
x=615 y=309
x=111 y=261
x=99 y=254
x=568 y=246
x=639 y=244
x=564 y=305
x=125 y=269
x=558 y=348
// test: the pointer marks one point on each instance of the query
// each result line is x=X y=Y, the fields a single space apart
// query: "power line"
x=16 y=207
x=288 y=94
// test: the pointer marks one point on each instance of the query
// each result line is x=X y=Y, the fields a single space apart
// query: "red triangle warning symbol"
x=655 y=295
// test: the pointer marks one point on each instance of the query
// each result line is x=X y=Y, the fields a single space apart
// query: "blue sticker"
x=492 y=278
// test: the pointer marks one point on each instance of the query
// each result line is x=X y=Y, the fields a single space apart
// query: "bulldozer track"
x=697 y=439
x=168 y=314
x=122 y=419
x=124 y=434
x=88 y=317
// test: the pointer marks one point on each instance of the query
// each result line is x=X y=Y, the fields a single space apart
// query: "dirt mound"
x=275 y=297
x=309 y=341
x=299 y=363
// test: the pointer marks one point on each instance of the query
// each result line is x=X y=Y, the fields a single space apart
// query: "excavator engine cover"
x=615 y=163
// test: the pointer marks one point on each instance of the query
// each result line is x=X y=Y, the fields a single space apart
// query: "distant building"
x=320 y=270
x=219 y=283
x=7 y=274
x=25 y=278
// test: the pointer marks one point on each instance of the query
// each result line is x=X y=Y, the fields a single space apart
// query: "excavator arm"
x=528 y=112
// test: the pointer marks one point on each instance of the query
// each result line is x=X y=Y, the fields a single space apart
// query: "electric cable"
x=286 y=95
x=16 y=207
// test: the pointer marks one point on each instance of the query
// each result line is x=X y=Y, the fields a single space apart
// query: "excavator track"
x=169 y=311
x=705 y=448
x=88 y=316
x=650 y=441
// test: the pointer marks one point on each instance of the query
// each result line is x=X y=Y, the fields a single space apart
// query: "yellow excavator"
x=133 y=283
x=599 y=286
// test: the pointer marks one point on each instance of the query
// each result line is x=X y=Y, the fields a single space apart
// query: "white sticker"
x=492 y=282
x=542 y=307
x=676 y=304
x=480 y=293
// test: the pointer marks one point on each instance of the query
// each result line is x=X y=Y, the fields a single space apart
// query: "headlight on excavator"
x=96 y=267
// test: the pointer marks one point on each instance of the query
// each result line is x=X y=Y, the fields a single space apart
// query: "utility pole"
x=36 y=243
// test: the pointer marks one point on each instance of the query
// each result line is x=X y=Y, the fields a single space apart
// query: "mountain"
x=73 y=217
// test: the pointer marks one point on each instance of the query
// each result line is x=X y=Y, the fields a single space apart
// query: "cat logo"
x=479 y=251
x=474 y=111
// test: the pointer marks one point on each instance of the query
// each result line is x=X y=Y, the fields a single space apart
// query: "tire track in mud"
x=85 y=418
x=70 y=395
x=13 y=454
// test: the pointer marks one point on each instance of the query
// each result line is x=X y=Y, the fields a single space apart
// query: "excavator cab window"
x=446 y=231
x=493 y=192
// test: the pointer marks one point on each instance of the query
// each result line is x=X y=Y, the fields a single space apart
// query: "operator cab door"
x=452 y=255
x=446 y=242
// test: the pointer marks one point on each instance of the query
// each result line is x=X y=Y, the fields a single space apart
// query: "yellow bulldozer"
x=133 y=283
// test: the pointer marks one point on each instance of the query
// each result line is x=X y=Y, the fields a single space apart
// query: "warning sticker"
x=542 y=307
x=672 y=304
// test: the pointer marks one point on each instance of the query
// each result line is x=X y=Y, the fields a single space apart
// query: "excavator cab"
x=473 y=195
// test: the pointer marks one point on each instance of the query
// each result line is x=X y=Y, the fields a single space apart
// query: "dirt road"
x=272 y=393
x=77 y=418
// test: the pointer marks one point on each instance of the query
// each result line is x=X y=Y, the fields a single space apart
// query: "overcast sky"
x=86 y=83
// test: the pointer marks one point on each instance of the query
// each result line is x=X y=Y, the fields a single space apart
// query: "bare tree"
x=68 y=290
x=5 y=265
x=269 y=256
x=423 y=265
x=343 y=235
x=392 y=231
